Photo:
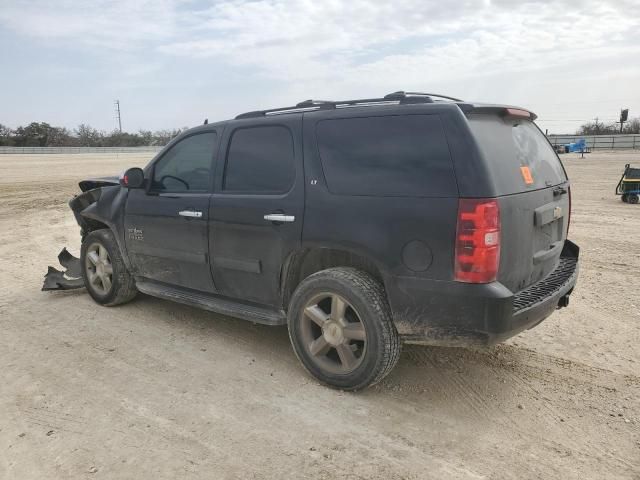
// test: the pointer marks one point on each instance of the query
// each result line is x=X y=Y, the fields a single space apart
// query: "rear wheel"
x=633 y=198
x=624 y=198
x=341 y=329
x=105 y=274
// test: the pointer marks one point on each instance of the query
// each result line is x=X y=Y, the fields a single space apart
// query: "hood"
x=91 y=183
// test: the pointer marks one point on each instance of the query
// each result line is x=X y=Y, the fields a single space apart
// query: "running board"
x=213 y=303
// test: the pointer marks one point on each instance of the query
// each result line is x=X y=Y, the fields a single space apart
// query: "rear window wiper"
x=559 y=191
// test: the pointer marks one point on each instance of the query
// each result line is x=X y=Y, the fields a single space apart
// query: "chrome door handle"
x=279 y=217
x=190 y=213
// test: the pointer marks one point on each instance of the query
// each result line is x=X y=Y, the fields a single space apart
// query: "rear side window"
x=518 y=154
x=398 y=155
x=260 y=160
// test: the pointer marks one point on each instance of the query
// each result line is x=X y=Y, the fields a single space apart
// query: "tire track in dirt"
x=524 y=369
x=443 y=376
x=465 y=396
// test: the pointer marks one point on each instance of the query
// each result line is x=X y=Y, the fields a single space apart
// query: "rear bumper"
x=453 y=313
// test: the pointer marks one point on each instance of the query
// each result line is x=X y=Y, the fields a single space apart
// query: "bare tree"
x=599 y=128
x=42 y=135
x=6 y=136
x=88 y=136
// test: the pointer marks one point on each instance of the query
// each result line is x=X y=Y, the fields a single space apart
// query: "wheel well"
x=91 y=225
x=309 y=261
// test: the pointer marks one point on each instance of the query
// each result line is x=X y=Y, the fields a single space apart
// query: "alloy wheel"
x=333 y=333
x=99 y=268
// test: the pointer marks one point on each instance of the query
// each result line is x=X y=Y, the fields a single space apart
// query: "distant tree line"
x=600 y=128
x=44 y=135
x=41 y=134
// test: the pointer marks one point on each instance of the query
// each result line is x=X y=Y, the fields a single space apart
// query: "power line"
x=584 y=102
x=542 y=119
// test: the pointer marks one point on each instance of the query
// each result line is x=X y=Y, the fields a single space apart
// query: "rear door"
x=257 y=208
x=533 y=192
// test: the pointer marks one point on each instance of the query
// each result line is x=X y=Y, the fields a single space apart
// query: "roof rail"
x=312 y=105
x=401 y=94
x=307 y=105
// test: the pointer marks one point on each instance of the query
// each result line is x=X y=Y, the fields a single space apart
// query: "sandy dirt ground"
x=159 y=390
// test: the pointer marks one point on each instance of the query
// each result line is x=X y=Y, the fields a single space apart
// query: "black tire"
x=633 y=198
x=367 y=303
x=122 y=287
x=624 y=198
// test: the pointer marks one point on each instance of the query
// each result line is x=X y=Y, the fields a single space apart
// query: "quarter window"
x=186 y=167
x=395 y=155
x=260 y=160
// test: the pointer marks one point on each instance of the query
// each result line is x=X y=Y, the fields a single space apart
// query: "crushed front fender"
x=100 y=205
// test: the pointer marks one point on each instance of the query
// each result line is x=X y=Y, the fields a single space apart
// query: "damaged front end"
x=89 y=217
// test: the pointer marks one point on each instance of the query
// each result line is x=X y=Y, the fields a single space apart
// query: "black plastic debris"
x=69 y=279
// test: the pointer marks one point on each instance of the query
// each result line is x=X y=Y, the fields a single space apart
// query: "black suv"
x=360 y=224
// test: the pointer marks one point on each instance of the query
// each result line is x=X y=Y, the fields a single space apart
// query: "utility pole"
x=118 y=115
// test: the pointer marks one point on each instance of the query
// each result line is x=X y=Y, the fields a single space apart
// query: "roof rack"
x=401 y=94
x=400 y=97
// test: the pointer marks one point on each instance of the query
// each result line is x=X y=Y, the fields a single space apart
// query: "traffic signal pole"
x=624 y=115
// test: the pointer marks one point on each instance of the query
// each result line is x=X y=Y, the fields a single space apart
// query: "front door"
x=256 y=210
x=166 y=225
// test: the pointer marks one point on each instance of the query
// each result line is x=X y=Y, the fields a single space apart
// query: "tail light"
x=477 y=241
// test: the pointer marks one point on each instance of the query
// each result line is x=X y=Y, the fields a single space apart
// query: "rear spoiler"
x=501 y=110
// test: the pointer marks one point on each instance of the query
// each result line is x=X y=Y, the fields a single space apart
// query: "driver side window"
x=187 y=166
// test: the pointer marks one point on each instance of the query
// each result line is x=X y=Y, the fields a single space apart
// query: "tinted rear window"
x=518 y=154
x=398 y=155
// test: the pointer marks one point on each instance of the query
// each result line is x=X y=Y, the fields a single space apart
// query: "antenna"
x=117 y=103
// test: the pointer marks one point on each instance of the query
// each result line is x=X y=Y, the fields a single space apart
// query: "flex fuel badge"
x=526 y=175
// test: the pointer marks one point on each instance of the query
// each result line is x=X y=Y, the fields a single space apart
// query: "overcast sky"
x=171 y=63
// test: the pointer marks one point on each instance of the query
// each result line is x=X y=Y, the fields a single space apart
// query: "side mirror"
x=132 y=178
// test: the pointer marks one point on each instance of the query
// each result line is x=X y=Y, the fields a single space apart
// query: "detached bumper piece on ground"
x=69 y=279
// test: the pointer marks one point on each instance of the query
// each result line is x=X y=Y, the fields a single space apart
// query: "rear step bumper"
x=453 y=313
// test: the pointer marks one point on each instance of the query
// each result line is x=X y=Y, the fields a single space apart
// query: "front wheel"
x=105 y=275
x=633 y=198
x=341 y=328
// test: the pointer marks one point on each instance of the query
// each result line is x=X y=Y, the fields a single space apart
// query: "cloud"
x=306 y=39
x=297 y=40
x=119 y=25
x=485 y=49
